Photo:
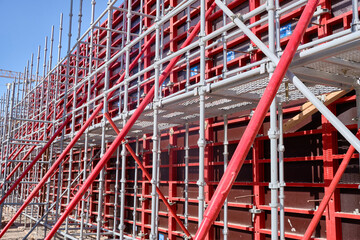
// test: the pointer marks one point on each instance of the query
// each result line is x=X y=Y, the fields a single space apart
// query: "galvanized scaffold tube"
x=155 y=137
x=158 y=159
x=248 y=137
x=124 y=118
x=201 y=141
x=120 y=136
x=281 y=149
x=79 y=50
x=4 y=145
x=100 y=206
x=73 y=120
x=226 y=159
x=57 y=94
x=60 y=175
x=134 y=227
x=273 y=131
x=138 y=94
x=186 y=180
x=51 y=132
x=117 y=190
x=226 y=143
x=355 y=16
x=8 y=122
x=86 y=137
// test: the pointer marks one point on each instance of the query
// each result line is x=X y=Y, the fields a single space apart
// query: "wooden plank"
x=308 y=109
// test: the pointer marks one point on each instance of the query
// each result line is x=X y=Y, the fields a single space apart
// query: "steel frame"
x=152 y=67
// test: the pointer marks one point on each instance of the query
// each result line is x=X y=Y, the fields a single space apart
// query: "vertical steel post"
x=140 y=60
x=5 y=129
x=73 y=111
x=122 y=190
x=73 y=122
x=67 y=73
x=273 y=131
x=8 y=121
x=57 y=93
x=116 y=197
x=155 y=140
x=103 y=122
x=123 y=132
x=148 y=177
x=253 y=127
x=357 y=95
x=39 y=117
x=186 y=180
x=274 y=184
x=86 y=147
x=201 y=142
x=48 y=94
x=332 y=187
x=187 y=55
x=158 y=186
x=226 y=158
x=226 y=143
x=355 y=16
x=281 y=149
x=134 y=227
x=124 y=117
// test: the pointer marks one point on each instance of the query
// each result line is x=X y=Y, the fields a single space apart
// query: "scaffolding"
x=117 y=139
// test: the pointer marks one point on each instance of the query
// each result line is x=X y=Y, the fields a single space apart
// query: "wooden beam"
x=308 y=109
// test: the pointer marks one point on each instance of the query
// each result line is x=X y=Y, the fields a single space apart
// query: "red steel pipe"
x=18 y=165
x=324 y=202
x=123 y=133
x=16 y=155
x=254 y=125
x=66 y=150
x=47 y=145
x=148 y=176
x=34 y=161
x=53 y=168
x=13 y=152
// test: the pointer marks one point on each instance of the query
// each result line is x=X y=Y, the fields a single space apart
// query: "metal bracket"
x=320 y=10
x=142 y=199
x=274 y=186
x=169 y=147
x=171 y=203
x=141 y=234
x=254 y=211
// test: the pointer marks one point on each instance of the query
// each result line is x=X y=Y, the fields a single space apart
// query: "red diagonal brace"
x=161 y=195
x=49 y=172
x=13 y=158
x=67 y=149
x=254 y=125
x=123 y=132
x=324 y=202
x=57 y=133
x=18 y=165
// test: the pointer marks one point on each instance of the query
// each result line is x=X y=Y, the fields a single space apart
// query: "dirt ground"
x=17 y=231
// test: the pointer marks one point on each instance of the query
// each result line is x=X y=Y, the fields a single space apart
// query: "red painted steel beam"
x=38 y=156
x=66 y=150
x=49 y=173
x=16 y=155
x=254 y=125
x=332 y=187
x=148 y=176
x=123 y=133
x=18 y=165
x=46 y=146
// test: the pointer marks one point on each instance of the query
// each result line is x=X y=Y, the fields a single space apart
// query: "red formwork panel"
x=312 y=154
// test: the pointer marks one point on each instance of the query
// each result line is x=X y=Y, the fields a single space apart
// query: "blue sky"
x=24 y=25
